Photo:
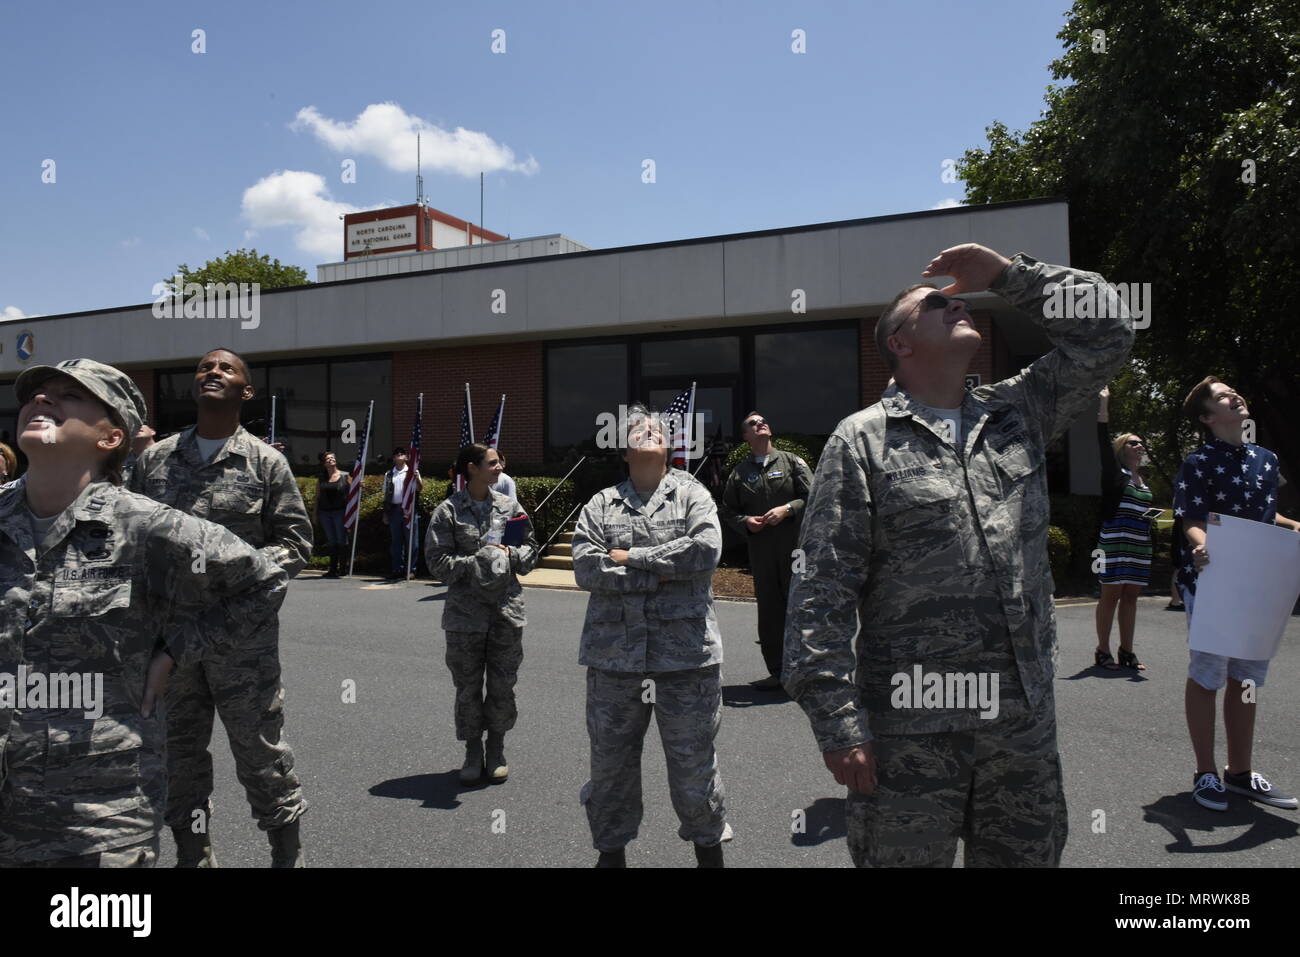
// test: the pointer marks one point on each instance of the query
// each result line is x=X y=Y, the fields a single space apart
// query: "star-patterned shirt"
x=1238 y=480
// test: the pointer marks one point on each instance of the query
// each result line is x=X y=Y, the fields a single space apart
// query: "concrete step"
x=549 y=578
x=562 y=562
x=561 y=548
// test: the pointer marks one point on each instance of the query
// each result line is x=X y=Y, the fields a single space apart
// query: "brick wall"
x=874 y=373
x=144 y=380
x=441 y=374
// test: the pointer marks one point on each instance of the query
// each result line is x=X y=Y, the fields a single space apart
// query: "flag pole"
x=365 y=451
x=270 y=440
x=690 y=427
x=470 y=406
x=415 y=509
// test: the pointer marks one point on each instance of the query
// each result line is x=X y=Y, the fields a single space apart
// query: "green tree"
x=243 y=265
x=1175 y=136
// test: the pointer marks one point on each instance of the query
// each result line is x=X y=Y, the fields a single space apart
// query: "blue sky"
x=163 y=155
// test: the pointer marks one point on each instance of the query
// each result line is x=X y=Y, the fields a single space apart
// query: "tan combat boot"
x=193 y=850
x=472 y=769
x=286 y=848
x=497 y=768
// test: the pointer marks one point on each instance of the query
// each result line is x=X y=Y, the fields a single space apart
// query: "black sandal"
x=1103 y=660
x=1129 y=660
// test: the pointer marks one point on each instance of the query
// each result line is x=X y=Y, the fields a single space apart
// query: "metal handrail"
x=542 y=504
x=559 y=528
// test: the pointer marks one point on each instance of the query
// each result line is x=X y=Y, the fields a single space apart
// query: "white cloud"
x=298 y=199
x=946 y=204
x=12 y=313
x=201 y=234
x=128 y=243
x=387 y=132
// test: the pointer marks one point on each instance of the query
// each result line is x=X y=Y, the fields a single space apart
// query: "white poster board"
x=1244 y=596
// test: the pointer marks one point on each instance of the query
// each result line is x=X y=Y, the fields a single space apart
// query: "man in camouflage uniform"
x=143 y=439
x=89 y=590
x=218 y=471
x=764 y=500
x=926 y=535
x=646 y=550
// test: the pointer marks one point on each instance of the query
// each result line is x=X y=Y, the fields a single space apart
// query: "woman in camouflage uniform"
x=101 y=592
x=646 y=550
x=484 y=613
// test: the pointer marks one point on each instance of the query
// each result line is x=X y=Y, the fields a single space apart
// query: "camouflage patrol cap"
x=111 y=386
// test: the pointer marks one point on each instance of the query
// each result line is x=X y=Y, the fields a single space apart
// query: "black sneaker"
x=1254 y=786
x=1207 y=790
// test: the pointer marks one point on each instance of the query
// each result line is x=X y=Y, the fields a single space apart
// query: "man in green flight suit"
x=763 y=501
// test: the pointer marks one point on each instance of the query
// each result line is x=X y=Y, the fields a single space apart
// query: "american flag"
x=494 y=430
x=353 y=505
x=466 y=432
x=409 y=491
x=679 y=415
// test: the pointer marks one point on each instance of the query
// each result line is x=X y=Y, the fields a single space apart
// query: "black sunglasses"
x=755 y=422
x=933 y=300
x=937 y=300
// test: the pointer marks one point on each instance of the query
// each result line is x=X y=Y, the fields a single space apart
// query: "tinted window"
x=581 y=383
x=676 y=357
x=806 y=382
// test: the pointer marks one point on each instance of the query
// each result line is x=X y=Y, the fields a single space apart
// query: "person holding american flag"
x=399 y=479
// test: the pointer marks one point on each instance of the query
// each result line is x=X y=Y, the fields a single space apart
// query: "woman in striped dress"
x=1125 y=539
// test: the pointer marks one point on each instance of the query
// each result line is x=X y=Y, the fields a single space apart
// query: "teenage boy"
x=1233 y=477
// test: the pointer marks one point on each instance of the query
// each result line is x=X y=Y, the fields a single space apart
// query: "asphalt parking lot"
x=380 y=772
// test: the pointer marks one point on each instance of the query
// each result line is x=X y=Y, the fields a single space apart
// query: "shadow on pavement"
x=442 y=596
x=440 y=791
x=1179 y=814
x=824 y=822
x=1097 y=671
x=746 y=696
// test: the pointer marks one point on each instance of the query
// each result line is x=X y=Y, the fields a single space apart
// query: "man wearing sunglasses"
x=763 y=500
x=927 y=527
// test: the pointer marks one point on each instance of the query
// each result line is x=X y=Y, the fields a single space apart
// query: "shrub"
x=372 y=541
x=1079 y=517
x=739 y=453
x=1058 y=551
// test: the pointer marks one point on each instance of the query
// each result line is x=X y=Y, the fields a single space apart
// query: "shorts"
x=1212 y=671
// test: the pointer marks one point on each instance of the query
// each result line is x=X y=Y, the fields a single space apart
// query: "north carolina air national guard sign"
x=26 y=345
